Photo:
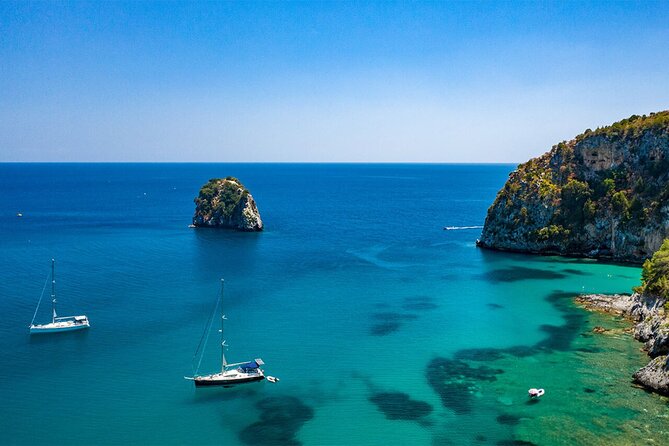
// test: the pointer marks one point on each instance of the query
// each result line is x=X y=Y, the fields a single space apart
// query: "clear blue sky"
x=321 y=82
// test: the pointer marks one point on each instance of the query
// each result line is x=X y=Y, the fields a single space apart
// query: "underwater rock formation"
x=281 y=417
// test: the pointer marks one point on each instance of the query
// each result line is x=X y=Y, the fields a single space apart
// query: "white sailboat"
x=230 y=374
x=57 y=324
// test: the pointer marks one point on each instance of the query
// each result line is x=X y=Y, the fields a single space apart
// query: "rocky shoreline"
x=651 y=327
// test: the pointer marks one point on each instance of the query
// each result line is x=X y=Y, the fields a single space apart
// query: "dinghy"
x=536 y=393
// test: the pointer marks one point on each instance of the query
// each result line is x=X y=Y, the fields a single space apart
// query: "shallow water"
x=382 y=326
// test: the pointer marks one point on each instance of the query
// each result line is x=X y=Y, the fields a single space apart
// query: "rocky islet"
x=226 y=203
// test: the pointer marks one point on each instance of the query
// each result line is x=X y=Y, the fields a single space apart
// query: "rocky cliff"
x=226 y=203
x=603 y=194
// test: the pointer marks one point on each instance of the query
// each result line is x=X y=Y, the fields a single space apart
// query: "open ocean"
x=383 y=328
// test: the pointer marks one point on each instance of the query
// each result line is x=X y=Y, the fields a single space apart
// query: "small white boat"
x=536 y=393
x=19 y=214
x=231 y=374
x=57 y=324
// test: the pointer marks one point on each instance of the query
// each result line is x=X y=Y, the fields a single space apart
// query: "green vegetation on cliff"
x=635 y=124
x=655 y=273
x=220 y=197
x=602 y=194
x=226 y=203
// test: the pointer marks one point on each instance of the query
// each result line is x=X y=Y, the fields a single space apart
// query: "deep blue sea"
x=382 y=327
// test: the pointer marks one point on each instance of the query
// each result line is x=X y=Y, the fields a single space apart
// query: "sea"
x=382 y=327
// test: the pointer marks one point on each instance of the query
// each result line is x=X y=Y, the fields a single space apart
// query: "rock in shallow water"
x=655 y=375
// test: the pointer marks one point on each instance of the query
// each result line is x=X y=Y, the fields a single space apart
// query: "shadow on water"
x=216 y=394
x=214 y=248
x=54 y=338
x=576 y=272
x=519 y=273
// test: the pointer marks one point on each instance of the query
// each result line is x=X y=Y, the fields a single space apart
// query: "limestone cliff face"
x=604 y=194
x=226 y=203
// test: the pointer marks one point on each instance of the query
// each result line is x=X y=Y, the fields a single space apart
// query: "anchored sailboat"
x=230 y=374
x=63 y=323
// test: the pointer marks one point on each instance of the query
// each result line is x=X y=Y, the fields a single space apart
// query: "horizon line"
x=266 y=162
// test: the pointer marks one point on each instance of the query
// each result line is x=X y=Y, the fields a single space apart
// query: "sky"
x=427 y=82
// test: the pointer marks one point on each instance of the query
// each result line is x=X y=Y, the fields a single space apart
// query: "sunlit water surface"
x=383 y=328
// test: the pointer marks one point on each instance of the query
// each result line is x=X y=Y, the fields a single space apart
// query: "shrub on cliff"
x=655 y=274
x=575 y=194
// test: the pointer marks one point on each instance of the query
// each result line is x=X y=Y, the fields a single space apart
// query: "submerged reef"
x=399 y=406
x=388 y=322
x=226 y=203
x=456 y=382
x=281 y=417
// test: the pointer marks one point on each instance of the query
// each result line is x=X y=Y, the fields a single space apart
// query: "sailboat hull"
x=223 y=381
x=59 y=326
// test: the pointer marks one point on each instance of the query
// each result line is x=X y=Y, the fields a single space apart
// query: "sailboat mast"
x=53 y=289
x=224 y=362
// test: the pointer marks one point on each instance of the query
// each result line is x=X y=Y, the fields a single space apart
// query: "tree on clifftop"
x=655 y=274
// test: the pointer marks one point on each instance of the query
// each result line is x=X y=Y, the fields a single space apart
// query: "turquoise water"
x=383 y=328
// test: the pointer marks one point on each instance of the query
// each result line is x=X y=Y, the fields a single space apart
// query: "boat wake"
x=461 y=228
